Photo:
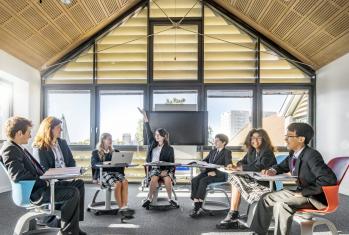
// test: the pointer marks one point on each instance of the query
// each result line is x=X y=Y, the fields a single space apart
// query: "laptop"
x=122 y=158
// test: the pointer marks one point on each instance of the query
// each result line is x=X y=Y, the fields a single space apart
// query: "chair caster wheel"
x=97 y=213
x=88 y=209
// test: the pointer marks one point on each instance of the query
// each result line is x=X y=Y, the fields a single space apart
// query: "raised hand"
x=145 y=118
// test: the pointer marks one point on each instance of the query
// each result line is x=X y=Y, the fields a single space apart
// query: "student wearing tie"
x=259 y=156
x=219 y=156
x=21 y=165
x=54 y=152
x=308 y=165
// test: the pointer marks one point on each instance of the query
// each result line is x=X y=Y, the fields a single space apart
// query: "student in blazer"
x=219 y=156
x=111 y=177
x=159 y=149
x=21 y=165
x=312 y=173
x=54 y=152
x=259 y=156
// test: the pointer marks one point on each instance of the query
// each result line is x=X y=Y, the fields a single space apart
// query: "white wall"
x=26 y=94
x=332 y=114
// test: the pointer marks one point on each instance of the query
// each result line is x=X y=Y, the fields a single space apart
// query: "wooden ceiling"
x=40 y=33
x=315 y=31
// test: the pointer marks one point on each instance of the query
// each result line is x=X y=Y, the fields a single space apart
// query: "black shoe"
x=173 y=203
x=146 y=203
x=195 y=213
x=232 y=216
x=127 y=213
x=228 y=225
x=82 y=232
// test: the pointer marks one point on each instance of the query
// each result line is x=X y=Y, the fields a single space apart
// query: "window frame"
x=98 y=116
x=198 y=84
x=73 y=88
x=11 y=102
x=165 y=22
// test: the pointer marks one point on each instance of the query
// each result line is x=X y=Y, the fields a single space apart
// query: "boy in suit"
x=312 y=173
x=21 y=165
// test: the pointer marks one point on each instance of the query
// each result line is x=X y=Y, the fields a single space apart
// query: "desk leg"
x=108 y=199
x=271 y=186
x=52 y=191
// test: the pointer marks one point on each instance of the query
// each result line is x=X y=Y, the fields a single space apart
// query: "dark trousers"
x=199 y=184
x=282 y=204
x=70 y=195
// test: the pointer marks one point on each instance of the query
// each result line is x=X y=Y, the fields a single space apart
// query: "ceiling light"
x=66 y=2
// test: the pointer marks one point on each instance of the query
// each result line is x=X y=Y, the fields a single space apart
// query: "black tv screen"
x=184 y=127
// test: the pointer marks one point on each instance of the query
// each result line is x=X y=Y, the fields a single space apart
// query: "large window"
x=175 y=8
x=282 y=107
x=230 y=53
x=175 y=100
x=122 y=53
x=5 y=106
x=73 y=108
x=183 y=55
x=120 y=117
x=230 y=113
x=276 y=69
x=175 y=53
x=75 y=71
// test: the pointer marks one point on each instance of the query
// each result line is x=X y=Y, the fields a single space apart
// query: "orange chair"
x=305 y=217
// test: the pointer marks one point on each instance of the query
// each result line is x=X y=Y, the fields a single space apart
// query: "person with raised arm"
x=159 y=149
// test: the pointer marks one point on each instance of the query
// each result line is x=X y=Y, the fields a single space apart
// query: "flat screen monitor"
x=184 y=127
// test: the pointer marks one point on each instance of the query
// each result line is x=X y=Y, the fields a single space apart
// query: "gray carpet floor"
x=175 y=221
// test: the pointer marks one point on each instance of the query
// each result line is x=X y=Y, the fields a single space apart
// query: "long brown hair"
x=266 y=142
x=164 y=133
x=100 y=146
x=44 y=137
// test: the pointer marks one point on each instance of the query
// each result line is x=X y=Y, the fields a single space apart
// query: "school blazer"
x=223 y=158
x=312 y=174
x=251 y=162
x=20 y=168
x=47 y=158
x=166 y=154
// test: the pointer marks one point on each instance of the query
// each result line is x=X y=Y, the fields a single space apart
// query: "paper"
x=235 y=172
x=281 y=177
x=63 y=171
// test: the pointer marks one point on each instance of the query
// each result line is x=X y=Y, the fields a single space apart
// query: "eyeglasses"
x=291 y=136
x=256 y=138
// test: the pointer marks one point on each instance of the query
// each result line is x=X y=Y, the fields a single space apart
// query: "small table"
x=272 y=179
x=54 y=174
x=200 y=165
